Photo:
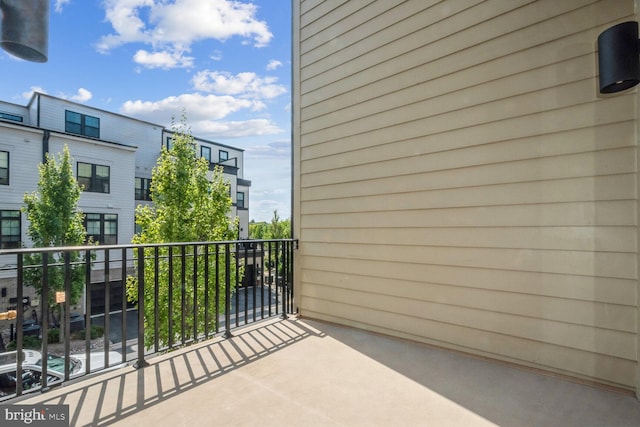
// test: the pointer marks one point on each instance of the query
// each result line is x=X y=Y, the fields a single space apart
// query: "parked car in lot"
x=32 y=369
x=30 y=327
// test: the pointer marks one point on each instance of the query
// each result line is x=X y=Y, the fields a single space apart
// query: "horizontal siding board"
x=442 y=171
x=428 y=80
x=371 y=26
x=316 y=20
x=605 y=264
x=436 y=117
x=603 y=341
x=435 y=34
x=569 y=287
x=572 y=141
x=603 y=239
x=585 y=313
x=456 y=50
x=605 y=213
x=396 y=194
x=557 y=358
x=428 y=98
x=448 y=136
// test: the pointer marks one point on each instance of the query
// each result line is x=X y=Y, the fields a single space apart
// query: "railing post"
x=19 y=328
x=107 y=306
x=156 y=296
x=141 y=363
x=123 y=318
x=87 y=313
x=284 y=280
x=227 y=291
x=66 y=326
x=44 y=318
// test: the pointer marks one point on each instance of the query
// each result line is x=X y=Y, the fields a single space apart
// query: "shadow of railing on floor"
x=113 y=398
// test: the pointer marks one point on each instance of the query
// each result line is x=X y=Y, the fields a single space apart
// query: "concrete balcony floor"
x=305 y=373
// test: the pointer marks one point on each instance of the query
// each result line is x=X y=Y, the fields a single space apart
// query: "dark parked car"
x=30 y=327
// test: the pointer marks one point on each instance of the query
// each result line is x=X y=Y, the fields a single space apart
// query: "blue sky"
x=226 y=63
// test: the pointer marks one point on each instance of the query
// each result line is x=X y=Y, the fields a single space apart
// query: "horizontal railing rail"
x=118 y=304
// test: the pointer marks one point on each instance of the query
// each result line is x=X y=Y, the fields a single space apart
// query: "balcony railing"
x=142 y=299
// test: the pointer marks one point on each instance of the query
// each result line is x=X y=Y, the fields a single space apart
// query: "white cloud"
x=247 y=85
x=165 y=60
x=174 y=26
x=210 y=129
x=273 y=64
x=198 y=107
x=27 y=95
x=276 y=149
x=60 y=4
x=83 y=95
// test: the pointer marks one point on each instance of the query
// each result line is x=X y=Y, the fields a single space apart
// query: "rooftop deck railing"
x=144 y=299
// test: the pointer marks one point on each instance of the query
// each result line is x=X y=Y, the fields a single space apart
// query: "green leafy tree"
x=279 y=229
x=55 y=221
x=190 y=204
x=273 y=230
x=276 y=229
x=258 y=230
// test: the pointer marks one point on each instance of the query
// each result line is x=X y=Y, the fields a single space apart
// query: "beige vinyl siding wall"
x=459 y=181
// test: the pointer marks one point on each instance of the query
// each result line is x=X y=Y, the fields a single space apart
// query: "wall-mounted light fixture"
x=619 y=57
x=25 y=29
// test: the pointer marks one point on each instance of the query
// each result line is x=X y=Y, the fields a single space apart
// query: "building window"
x=9 y=229
x=12 y=117
x=169 y=143
x=143 y=188
x=206 y=153
x=82 y=124
x=240 y=199
x=223 y=156
x=4 y=168
x=102 y=228
x=93 y=178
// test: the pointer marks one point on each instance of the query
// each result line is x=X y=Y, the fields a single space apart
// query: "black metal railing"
x=148 y=298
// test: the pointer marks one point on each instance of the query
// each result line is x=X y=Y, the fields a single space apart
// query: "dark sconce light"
x=25 y=29
x=619 y=57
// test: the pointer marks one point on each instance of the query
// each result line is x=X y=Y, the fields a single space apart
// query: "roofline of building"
x=37 y=129
x=88 y=106
x=164 y=128
x=207 y=141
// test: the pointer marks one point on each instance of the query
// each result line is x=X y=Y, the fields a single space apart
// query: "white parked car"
x=32 y=369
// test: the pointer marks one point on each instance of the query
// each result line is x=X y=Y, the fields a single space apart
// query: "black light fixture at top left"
x=25 y=29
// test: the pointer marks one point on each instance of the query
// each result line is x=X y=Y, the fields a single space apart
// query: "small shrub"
x=28 y=341
x=53 y=336
x=96 y=332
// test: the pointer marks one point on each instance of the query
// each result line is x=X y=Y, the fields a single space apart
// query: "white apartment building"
x=113 y=158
